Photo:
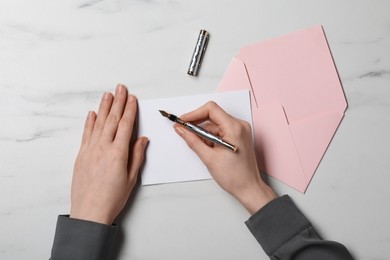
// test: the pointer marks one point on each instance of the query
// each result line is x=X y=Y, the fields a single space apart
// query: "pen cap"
x=198 y=54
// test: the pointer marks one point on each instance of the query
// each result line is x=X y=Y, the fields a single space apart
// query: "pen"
x=200 y=131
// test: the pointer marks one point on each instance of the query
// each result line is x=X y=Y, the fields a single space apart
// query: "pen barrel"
x=209 y=136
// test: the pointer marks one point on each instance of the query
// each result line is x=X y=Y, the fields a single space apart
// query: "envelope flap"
x=312 y=137
x=236 y=78
x=297 y=71
x=275 y=147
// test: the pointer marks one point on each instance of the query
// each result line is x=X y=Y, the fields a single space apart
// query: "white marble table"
x=58 y=57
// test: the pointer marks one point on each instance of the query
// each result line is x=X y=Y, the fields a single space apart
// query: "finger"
x=126 y=124
x=195 y=143
x=137 y=157
x=104 y=109
x=88 y=128
x=115 y=115
x=209 y=111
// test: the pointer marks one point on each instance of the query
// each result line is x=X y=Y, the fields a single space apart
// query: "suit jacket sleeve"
x=285 y=233
x=80 y=240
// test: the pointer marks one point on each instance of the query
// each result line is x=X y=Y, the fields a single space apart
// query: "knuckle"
x=99 y=126
x=247 y=127
x=241 y=128
x=191 y=143
x=113 y=119
x=126 y=122
x=211 y=104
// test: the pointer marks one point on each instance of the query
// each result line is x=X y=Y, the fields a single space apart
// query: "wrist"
x=90 y=216
x=256 y=197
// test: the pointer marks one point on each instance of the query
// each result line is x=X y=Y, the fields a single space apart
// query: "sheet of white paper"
x=168 y=158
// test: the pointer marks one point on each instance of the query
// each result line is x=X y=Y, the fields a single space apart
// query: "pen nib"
x=163 y=113
x=171 y=117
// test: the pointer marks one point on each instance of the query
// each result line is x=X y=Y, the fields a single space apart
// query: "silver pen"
x=199 y=131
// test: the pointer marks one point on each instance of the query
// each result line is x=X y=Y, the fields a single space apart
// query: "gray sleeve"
x=285 y=233
x=80 y=240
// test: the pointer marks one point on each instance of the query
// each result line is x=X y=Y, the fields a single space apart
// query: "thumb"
x=195 y=143
x=137 y=157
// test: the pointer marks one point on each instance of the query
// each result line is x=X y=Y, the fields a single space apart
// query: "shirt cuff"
x=80 y=239
x=276 y=223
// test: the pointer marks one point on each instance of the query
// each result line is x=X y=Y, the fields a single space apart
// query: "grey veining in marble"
x=58 y=57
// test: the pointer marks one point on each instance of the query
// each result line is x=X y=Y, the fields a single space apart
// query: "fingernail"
x=178 y=130
x=120 y=88
x=145 y=141
x=130 y=98
x=89 y=114
x=106 y=95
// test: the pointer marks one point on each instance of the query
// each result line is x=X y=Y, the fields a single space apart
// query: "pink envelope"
x=296 y=98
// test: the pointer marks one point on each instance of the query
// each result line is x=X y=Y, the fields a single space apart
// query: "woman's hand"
x=236 y=172
x=107 y=165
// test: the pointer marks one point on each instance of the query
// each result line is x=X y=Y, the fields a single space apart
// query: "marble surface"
x=58 y=57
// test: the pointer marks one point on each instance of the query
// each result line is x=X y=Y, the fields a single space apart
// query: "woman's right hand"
x=236 y=172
